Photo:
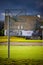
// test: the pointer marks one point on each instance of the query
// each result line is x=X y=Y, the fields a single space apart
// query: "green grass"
x=17 y=39
x=22 y=52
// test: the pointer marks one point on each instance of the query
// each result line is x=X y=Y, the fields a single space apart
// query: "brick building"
x=20 y=23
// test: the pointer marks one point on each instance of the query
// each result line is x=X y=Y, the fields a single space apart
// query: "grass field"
x=22 y=52
x=22 y=55
x=17 y=39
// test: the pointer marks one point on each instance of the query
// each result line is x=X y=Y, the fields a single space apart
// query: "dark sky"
x=32 y=7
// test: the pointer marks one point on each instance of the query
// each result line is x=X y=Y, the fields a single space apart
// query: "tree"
x=1 y=28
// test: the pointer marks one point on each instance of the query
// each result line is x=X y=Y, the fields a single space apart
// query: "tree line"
x=1 y=28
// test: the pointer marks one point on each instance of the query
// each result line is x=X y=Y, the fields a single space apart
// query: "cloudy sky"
x=32 y=7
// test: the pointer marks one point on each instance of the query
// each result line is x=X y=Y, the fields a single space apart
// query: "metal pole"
x=9 y=37
x=42 y=34
x=8 y=20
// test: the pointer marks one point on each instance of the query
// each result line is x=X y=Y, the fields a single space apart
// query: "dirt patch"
x=23 y=44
